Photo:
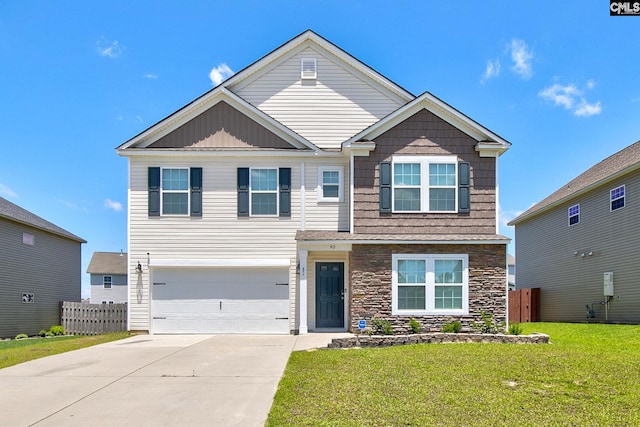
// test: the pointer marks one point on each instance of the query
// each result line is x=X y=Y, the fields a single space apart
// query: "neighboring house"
x=579 y=245
x=511 y=272
x=108 y=272
x=39 y=268
x=307 y=193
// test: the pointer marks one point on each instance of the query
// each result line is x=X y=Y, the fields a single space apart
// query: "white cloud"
x=108 y=49
x=571 y=98
x=220 y=73
x=6 y=191
x=114 y=206
x=492 y=70
x=521 y=56
x=584 y=109
x=149 y=76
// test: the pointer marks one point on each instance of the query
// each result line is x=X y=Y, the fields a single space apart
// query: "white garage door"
x=220 y=300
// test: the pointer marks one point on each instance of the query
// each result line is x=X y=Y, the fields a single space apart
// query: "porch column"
x=302 y=291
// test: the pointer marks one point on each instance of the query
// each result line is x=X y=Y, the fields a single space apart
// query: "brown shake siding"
x=221 y=126
x=424 y=134
x=370 y=284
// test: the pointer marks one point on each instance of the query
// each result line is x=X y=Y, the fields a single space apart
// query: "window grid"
x=436 y=192
x=264 y=192
x=430 y=284
x=330 y=184
x=617 y=196
x=175 y=191
x=107 y=282
x=574 y=214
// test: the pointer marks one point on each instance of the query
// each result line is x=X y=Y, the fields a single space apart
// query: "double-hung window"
x=425 y=184
x=106 y=282
x=264 y=192
x=175 y=191
x=330 y=184
x=616 y=198
x=574 y=214
x=430 y=284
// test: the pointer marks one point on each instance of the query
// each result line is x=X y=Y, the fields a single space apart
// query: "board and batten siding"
x=549 y=256
x=428 y=135
x=328 y=110
x=50 y=269
x=220 y=234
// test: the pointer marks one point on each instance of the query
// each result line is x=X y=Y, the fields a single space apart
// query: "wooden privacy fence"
x=524 y=305
x=93 y=319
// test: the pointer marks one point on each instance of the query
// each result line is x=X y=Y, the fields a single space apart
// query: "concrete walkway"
x=153 y=380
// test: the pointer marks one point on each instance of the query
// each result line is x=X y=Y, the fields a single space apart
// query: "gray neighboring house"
x=39 y=268
x=580 y=244
x=511 y=272
x=108 y=272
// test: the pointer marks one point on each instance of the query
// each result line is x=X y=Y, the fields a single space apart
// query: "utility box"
x=608 y=284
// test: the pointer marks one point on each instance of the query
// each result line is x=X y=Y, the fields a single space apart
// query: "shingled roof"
x=614 y=166
x=17 y=214
x=108 y=263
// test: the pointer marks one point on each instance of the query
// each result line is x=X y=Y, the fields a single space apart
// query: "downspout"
x=351 y=191
x=302 y=197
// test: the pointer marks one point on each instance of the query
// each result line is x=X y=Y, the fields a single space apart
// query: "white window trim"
x=321 y=170
x=424 y=162
x=611 y=199
x=188 y=191
x=569 y=216
x=277 y=193
x=309 y=76
x=430 y=285
x=104 y=285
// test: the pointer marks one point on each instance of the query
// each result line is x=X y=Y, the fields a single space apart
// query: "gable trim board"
x=198 y=106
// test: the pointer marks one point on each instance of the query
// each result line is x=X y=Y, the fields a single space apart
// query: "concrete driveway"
x=153 y=380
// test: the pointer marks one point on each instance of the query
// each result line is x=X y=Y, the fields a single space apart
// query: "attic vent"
x=308 y=68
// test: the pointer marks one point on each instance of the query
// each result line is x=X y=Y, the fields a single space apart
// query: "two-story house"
x=578 y=244
x=308 y=192
x=108 y=277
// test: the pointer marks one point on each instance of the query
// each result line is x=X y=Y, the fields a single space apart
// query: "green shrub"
x=415 y=326
x=21 y=336
x=488 y=325
x=381 y=326
x=57 y=330
x=453 y=326
x=515 y=329
x=48 y=334
x=42 y=333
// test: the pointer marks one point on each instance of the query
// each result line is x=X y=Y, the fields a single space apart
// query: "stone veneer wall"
x=370 y=284
x=435 y=338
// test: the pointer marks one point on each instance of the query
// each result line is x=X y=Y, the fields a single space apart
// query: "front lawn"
x=18 y=351
x=588 y=376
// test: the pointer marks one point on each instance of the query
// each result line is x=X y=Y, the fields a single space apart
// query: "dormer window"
x=308 y=70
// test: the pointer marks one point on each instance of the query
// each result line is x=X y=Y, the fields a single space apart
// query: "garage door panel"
x=220 y=300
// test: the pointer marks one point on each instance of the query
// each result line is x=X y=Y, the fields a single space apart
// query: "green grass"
x=19 y=351
x=588 y=376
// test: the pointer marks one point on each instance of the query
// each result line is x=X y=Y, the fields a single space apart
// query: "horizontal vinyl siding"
x=425 y=134
x=326 y=111
x=321 y=215
x=545 y=247
x=219 y=234
x=117 y=293
x=50 y=269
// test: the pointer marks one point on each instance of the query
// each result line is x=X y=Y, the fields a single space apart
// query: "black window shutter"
x=154 y=191
x=464 y=187
x=385 y=187
x=196 y=192
x=243 y=191
x=285 y=191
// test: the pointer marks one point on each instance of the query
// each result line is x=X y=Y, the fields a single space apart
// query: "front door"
x=329 y=295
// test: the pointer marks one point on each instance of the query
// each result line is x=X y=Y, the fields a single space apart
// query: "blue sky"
x=557 y=79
